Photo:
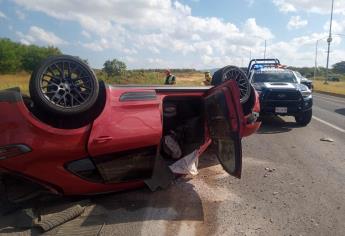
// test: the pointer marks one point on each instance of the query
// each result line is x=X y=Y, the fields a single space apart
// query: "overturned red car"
x=75 y=135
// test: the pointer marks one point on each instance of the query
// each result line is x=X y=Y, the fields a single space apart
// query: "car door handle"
x=103 y=139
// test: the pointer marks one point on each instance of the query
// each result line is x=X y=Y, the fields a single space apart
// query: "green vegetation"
x=308 y=72
x=339 y=67
x=17 y=61
x=20 y=80
x=114 y=67
x=150 y=77
x=331 y=87
x=16 y=57
x=129 y=77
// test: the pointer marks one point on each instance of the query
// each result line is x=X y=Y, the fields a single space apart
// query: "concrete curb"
x=329 y=93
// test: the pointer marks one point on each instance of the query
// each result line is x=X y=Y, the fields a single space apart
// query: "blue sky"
x=185 y=33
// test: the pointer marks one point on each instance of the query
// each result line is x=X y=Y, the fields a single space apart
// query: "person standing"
x=170 y=79
x=208 y=78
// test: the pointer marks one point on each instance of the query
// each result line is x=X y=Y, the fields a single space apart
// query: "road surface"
x=292 y=184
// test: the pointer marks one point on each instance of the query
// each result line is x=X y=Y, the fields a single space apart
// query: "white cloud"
x=296 y=22
x=314 y=6
x=2 y=15
x=338 y=26
x=154 y=26
x=300 y=51
x=154 y=50
x=251 y=28
x=97 y=46
x=39 y=35
x=130 y=51
x=250 y=2
x=284 y=6
x=184 y=9
x=130 y=59
x=86 y=34
x=308 y=39
x=92 y=46
x=20 y=15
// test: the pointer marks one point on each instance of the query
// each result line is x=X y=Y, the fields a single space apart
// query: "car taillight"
x=13 y=150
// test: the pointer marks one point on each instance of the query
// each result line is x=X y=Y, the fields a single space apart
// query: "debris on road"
x=269 y=170
x=186 y=165
x=45 y=218
x=327 y=140
x=53 y=220
x=275 y=193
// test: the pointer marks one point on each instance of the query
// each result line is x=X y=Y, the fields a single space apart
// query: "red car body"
x=131 y=119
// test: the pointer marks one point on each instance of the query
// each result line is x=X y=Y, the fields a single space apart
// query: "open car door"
x=224 y=116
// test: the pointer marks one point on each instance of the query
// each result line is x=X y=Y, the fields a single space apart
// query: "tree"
x=339 y=67
x=9 y=57
x=16 y=57
x=33 y=55
x=114 y=67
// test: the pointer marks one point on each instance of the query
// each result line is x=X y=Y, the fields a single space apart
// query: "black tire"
x=233 y=72
x=64 y=85
x=305 y=118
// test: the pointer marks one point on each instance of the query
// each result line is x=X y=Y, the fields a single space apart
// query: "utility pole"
x=265 y=49
x=315 y=67
x=329 y=40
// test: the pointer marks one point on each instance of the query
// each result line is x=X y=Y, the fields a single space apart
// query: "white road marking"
x=329 y=124
x=329 y=99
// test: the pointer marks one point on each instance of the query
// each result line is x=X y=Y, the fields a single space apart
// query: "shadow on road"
x=275 y=124
x=163 y=204
x=127 y=211
x=340 y=111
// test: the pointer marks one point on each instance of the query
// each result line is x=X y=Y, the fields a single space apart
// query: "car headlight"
x=306 y=93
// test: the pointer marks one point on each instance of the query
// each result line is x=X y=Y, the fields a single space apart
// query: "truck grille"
x=283 y=96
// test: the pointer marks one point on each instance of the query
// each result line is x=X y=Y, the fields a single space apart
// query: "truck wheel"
x=305 y=118
x=64 y=85
x=233 y=72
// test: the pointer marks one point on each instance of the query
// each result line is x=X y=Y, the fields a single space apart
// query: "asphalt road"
x=292 y=184
x=330 y=109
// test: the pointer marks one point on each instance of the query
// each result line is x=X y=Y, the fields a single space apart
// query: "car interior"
x=183 y=125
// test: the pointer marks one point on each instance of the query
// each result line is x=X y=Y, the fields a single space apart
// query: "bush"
x=114 y=67
x=16 y=57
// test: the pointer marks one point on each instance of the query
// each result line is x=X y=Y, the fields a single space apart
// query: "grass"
x=154 y=78
x=21 y=80
x=331 y=87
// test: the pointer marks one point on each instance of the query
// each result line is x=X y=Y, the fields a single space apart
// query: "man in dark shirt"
x=169 y=79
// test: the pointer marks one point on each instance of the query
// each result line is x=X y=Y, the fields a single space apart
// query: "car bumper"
x=293 y=107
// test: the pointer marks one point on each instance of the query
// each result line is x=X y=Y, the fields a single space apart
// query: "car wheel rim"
x=242 y=83
x=66 y=84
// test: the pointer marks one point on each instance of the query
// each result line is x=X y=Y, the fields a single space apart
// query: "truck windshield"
x=274 y=76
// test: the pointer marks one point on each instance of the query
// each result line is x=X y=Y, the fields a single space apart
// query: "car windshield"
x=273 y=76
x=298 y=74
